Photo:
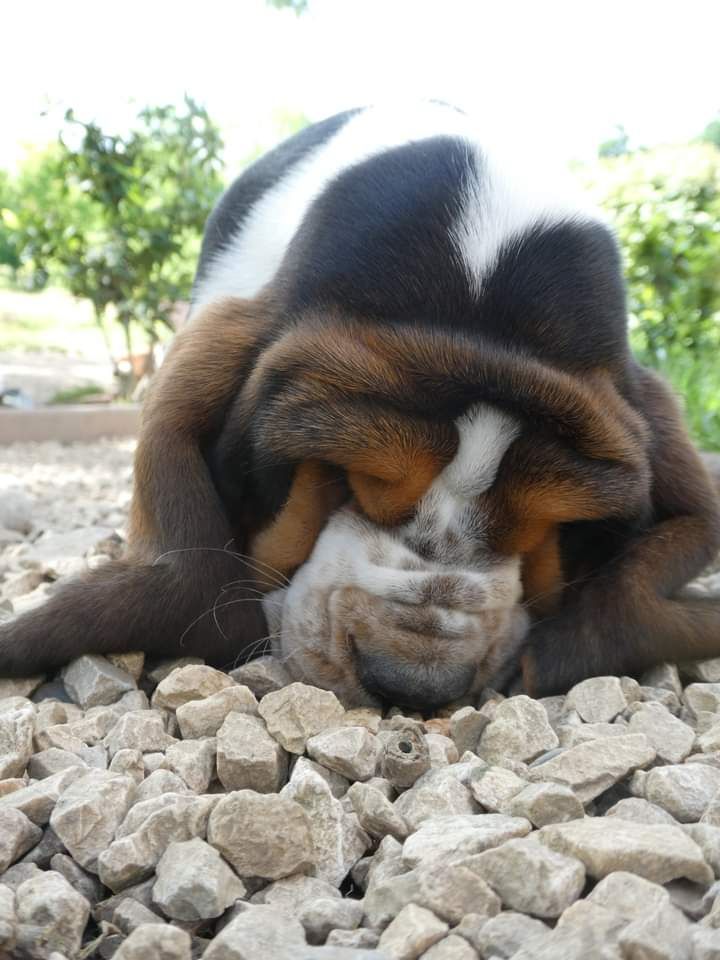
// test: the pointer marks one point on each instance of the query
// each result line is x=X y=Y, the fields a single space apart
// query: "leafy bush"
x=665 y=205
x=118 y=219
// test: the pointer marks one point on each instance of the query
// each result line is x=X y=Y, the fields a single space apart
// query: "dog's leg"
x=166 y=597
x=633 y=613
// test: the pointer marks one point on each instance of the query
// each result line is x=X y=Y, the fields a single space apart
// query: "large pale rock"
x=193 y=682
x=38 y=800
x=158 y=782
x=671 y=738
x=16 y=510
x=375 y=813
x=128 y=763
x=50 y=761
x=131 y=662
x=494 y=787
x=684 y=790
x=51 y=916
x=203 y=718
x=262 y=835
x=442 y=750
x=298 y=712
x=85 y=883
x=413 y=931
x=248 y=758
x=16 y=741
x=257 y=932
x=141 y=730
x=466 y=727
x=597 y=700
x=320 y=916
x=263 y=675
x=531 y=878
x=543 y=803
x=705 y=943
x=663 y=934
x=194 y=882
x=158 y=941
x=93 y=681
x=350 y=751
x=707 y=837
x=355 y=940
x=437 y=792
x=19 y=686
x=658 y=852
x=519 y=730
x=701 y=697
x=585 y=916
x=147 y=831
x=628 y=895
x=89 y=812
x=338 y=841
x=17 y=836
x=592 y=768
x=8 y=919
x=449 y=891
x=502 y=936
x=290 y=894
x=338 y=785
x=193 y=761
x=452 y=947
x=638 y=810
x=449 y=839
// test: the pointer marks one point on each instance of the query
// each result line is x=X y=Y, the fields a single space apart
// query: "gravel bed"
x=170 y=810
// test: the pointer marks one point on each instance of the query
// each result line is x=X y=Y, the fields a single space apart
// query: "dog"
x=403 y=439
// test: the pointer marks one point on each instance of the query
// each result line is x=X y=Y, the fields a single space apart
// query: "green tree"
x=616 y=146
x=118 y=219
x=299 y=6
x=711 y=133
x=9 y=257
x=665 y=206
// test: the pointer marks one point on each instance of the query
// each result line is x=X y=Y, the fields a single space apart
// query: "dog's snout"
x=417 y=686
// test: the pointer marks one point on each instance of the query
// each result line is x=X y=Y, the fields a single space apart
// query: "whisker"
x=261 y=563
x=252 y=562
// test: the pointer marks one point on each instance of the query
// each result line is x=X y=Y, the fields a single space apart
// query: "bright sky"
x=554 y=76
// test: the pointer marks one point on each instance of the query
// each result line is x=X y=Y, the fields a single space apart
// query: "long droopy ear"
x=174 y=592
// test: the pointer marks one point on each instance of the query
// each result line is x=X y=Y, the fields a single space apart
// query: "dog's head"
x=418 y=614
x=411 y=485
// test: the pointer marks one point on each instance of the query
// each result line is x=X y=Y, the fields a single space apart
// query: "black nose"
x=411 y=685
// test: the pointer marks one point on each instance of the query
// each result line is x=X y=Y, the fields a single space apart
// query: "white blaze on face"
x=447 y=525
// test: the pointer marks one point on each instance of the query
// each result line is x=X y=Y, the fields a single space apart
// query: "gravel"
x=176 y=811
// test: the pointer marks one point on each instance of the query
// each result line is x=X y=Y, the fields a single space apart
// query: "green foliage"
x=118 y=219
x=9 y=255
x=696 y=379
x=665 y=204
x=299 y=6
x=617 y=146
x=711 y=133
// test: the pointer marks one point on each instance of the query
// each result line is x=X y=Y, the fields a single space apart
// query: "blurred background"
x=122 y=125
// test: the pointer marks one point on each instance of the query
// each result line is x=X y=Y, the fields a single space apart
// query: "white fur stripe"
x=502 y=201
x=252 y=258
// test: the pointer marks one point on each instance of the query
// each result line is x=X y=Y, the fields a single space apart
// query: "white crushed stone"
x=173 y=810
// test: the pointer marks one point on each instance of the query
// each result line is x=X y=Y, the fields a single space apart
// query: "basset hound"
x=403 y=440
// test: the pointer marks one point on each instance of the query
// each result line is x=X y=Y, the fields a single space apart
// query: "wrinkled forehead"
x=449 y=523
